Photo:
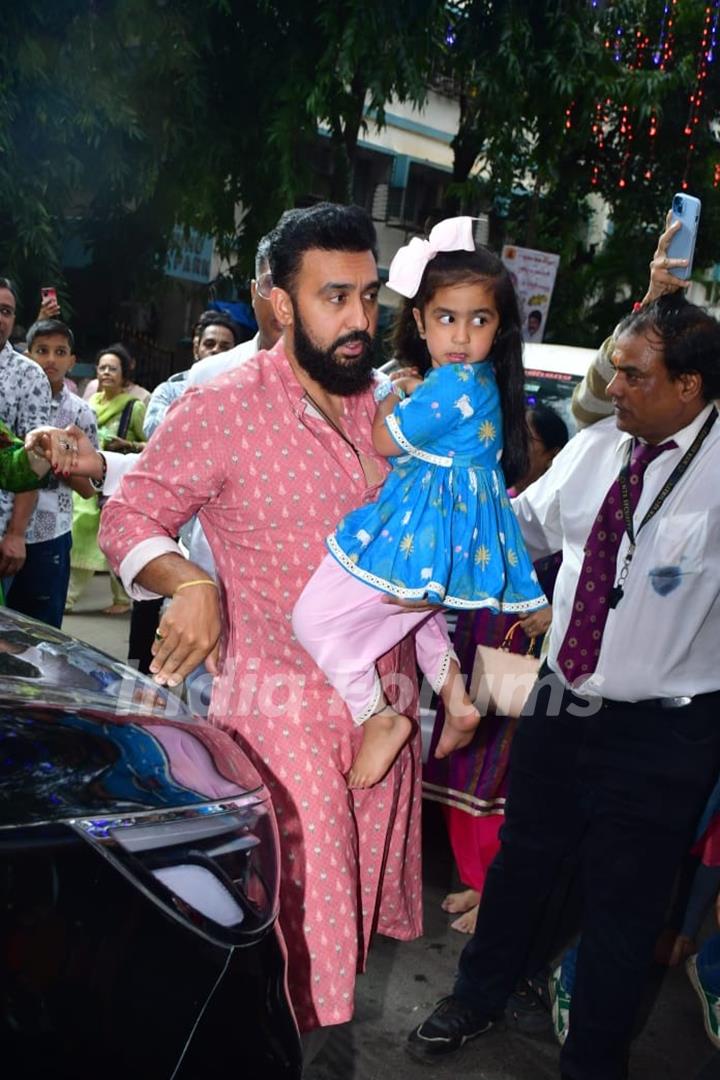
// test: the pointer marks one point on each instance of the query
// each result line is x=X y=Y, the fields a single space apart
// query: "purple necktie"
x=579 y=651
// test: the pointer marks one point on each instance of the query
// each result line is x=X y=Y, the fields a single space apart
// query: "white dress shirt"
x=662 y=638
x=210 y=367
x=117 y=465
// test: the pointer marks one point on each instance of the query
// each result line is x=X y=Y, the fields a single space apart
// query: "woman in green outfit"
x=120 y=428
x=19 y=471
x=22 y=470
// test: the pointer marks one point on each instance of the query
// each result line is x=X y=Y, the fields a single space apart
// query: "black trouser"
x=620 y=791
x=144 y=619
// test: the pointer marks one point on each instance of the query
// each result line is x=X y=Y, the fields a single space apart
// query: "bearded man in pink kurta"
x=270 y=457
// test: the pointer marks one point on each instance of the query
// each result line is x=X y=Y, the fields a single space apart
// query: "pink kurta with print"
x=269 y=480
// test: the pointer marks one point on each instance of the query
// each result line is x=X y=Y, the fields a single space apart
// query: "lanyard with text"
x=616 y=593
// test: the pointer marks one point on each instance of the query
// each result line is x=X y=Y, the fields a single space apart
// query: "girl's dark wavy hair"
x=483 y=267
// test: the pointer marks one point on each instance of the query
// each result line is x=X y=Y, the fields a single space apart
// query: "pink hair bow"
x=408 y=266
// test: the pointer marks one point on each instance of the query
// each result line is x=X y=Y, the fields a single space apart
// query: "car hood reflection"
x=59 y=763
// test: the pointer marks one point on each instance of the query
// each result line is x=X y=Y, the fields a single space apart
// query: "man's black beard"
x=335 y=377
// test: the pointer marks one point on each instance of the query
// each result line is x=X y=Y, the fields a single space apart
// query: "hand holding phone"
x=686 y=211
x=49 y=306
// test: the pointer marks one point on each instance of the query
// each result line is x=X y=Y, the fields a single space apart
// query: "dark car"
x=139 y=874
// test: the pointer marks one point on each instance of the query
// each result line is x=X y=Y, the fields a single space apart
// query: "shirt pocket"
x=680 y=546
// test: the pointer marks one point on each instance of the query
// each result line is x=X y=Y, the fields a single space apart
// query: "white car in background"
x=551 y=374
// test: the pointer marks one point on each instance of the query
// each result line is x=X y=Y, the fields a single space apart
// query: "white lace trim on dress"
x=403 y=593
x=434 y=459
x=377 y=700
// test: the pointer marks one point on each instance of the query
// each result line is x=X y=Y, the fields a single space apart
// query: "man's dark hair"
x=45 y=327
x=690 y=338
x=262 y=255
x=216 y=318
x=127 y=364
x=535 y=315
x=323 y=227
x=6 y=283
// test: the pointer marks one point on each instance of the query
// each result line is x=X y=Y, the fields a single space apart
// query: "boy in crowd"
x=39 y=589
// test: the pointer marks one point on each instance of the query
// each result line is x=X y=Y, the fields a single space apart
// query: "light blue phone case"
x=686 y=210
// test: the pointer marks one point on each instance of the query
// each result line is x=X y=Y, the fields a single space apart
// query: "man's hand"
x=12 y=554
x=49 y=309
x=662 y=280
x=537 y=622
x=411 y=605
x=188 y=634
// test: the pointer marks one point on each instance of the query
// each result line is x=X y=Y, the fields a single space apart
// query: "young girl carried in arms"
x=442 y=531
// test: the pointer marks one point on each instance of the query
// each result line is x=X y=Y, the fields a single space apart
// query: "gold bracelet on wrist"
x=196 y=581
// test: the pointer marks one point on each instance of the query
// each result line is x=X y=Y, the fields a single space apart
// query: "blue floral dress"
x=442 y=528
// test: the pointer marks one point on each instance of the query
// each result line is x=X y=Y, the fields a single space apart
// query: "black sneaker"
x=529 y=1009
x=446 y=1030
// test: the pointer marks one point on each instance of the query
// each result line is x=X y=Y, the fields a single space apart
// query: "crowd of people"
x=288 y=525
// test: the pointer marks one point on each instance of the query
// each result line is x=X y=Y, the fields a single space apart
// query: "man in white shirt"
x=612 y=778
x=268 y=327
x=214 y=333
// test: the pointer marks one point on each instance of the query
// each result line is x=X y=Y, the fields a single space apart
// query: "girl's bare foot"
x=384 y=736
x=457 y=731
x=461 y=716
x=458 y=902
x=466 y=923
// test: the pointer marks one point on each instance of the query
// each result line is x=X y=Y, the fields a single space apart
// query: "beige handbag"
x=501 y=680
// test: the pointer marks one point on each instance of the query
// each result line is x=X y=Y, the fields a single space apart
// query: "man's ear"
x=691 y=385
x=282 y=306
x=417 y=315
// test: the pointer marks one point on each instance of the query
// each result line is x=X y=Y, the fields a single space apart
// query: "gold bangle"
x=197 y=581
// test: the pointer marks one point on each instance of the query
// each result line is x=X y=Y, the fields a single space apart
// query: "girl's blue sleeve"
x=429 y=412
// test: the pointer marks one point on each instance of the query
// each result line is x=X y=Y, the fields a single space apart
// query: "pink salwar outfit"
x=345 y=625
x=269 y=479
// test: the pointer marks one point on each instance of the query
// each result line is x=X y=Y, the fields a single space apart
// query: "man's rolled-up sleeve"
x=183 y=467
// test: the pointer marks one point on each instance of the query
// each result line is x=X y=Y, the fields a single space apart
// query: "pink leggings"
x=346 y=626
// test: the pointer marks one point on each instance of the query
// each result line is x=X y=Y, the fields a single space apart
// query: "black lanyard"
x=617 y=592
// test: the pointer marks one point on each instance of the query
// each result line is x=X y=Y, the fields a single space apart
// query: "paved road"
x=403 y=981
x=106 y=632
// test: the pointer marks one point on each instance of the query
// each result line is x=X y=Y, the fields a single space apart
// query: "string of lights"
x=633 y=49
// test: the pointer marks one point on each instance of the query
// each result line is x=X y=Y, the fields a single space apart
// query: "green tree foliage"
x=532 y=146
x=121 y=118
x=94 y=99
x=276 y=72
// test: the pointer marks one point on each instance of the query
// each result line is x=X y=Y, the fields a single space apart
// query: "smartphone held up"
x=686 y=211
x=49 y=301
